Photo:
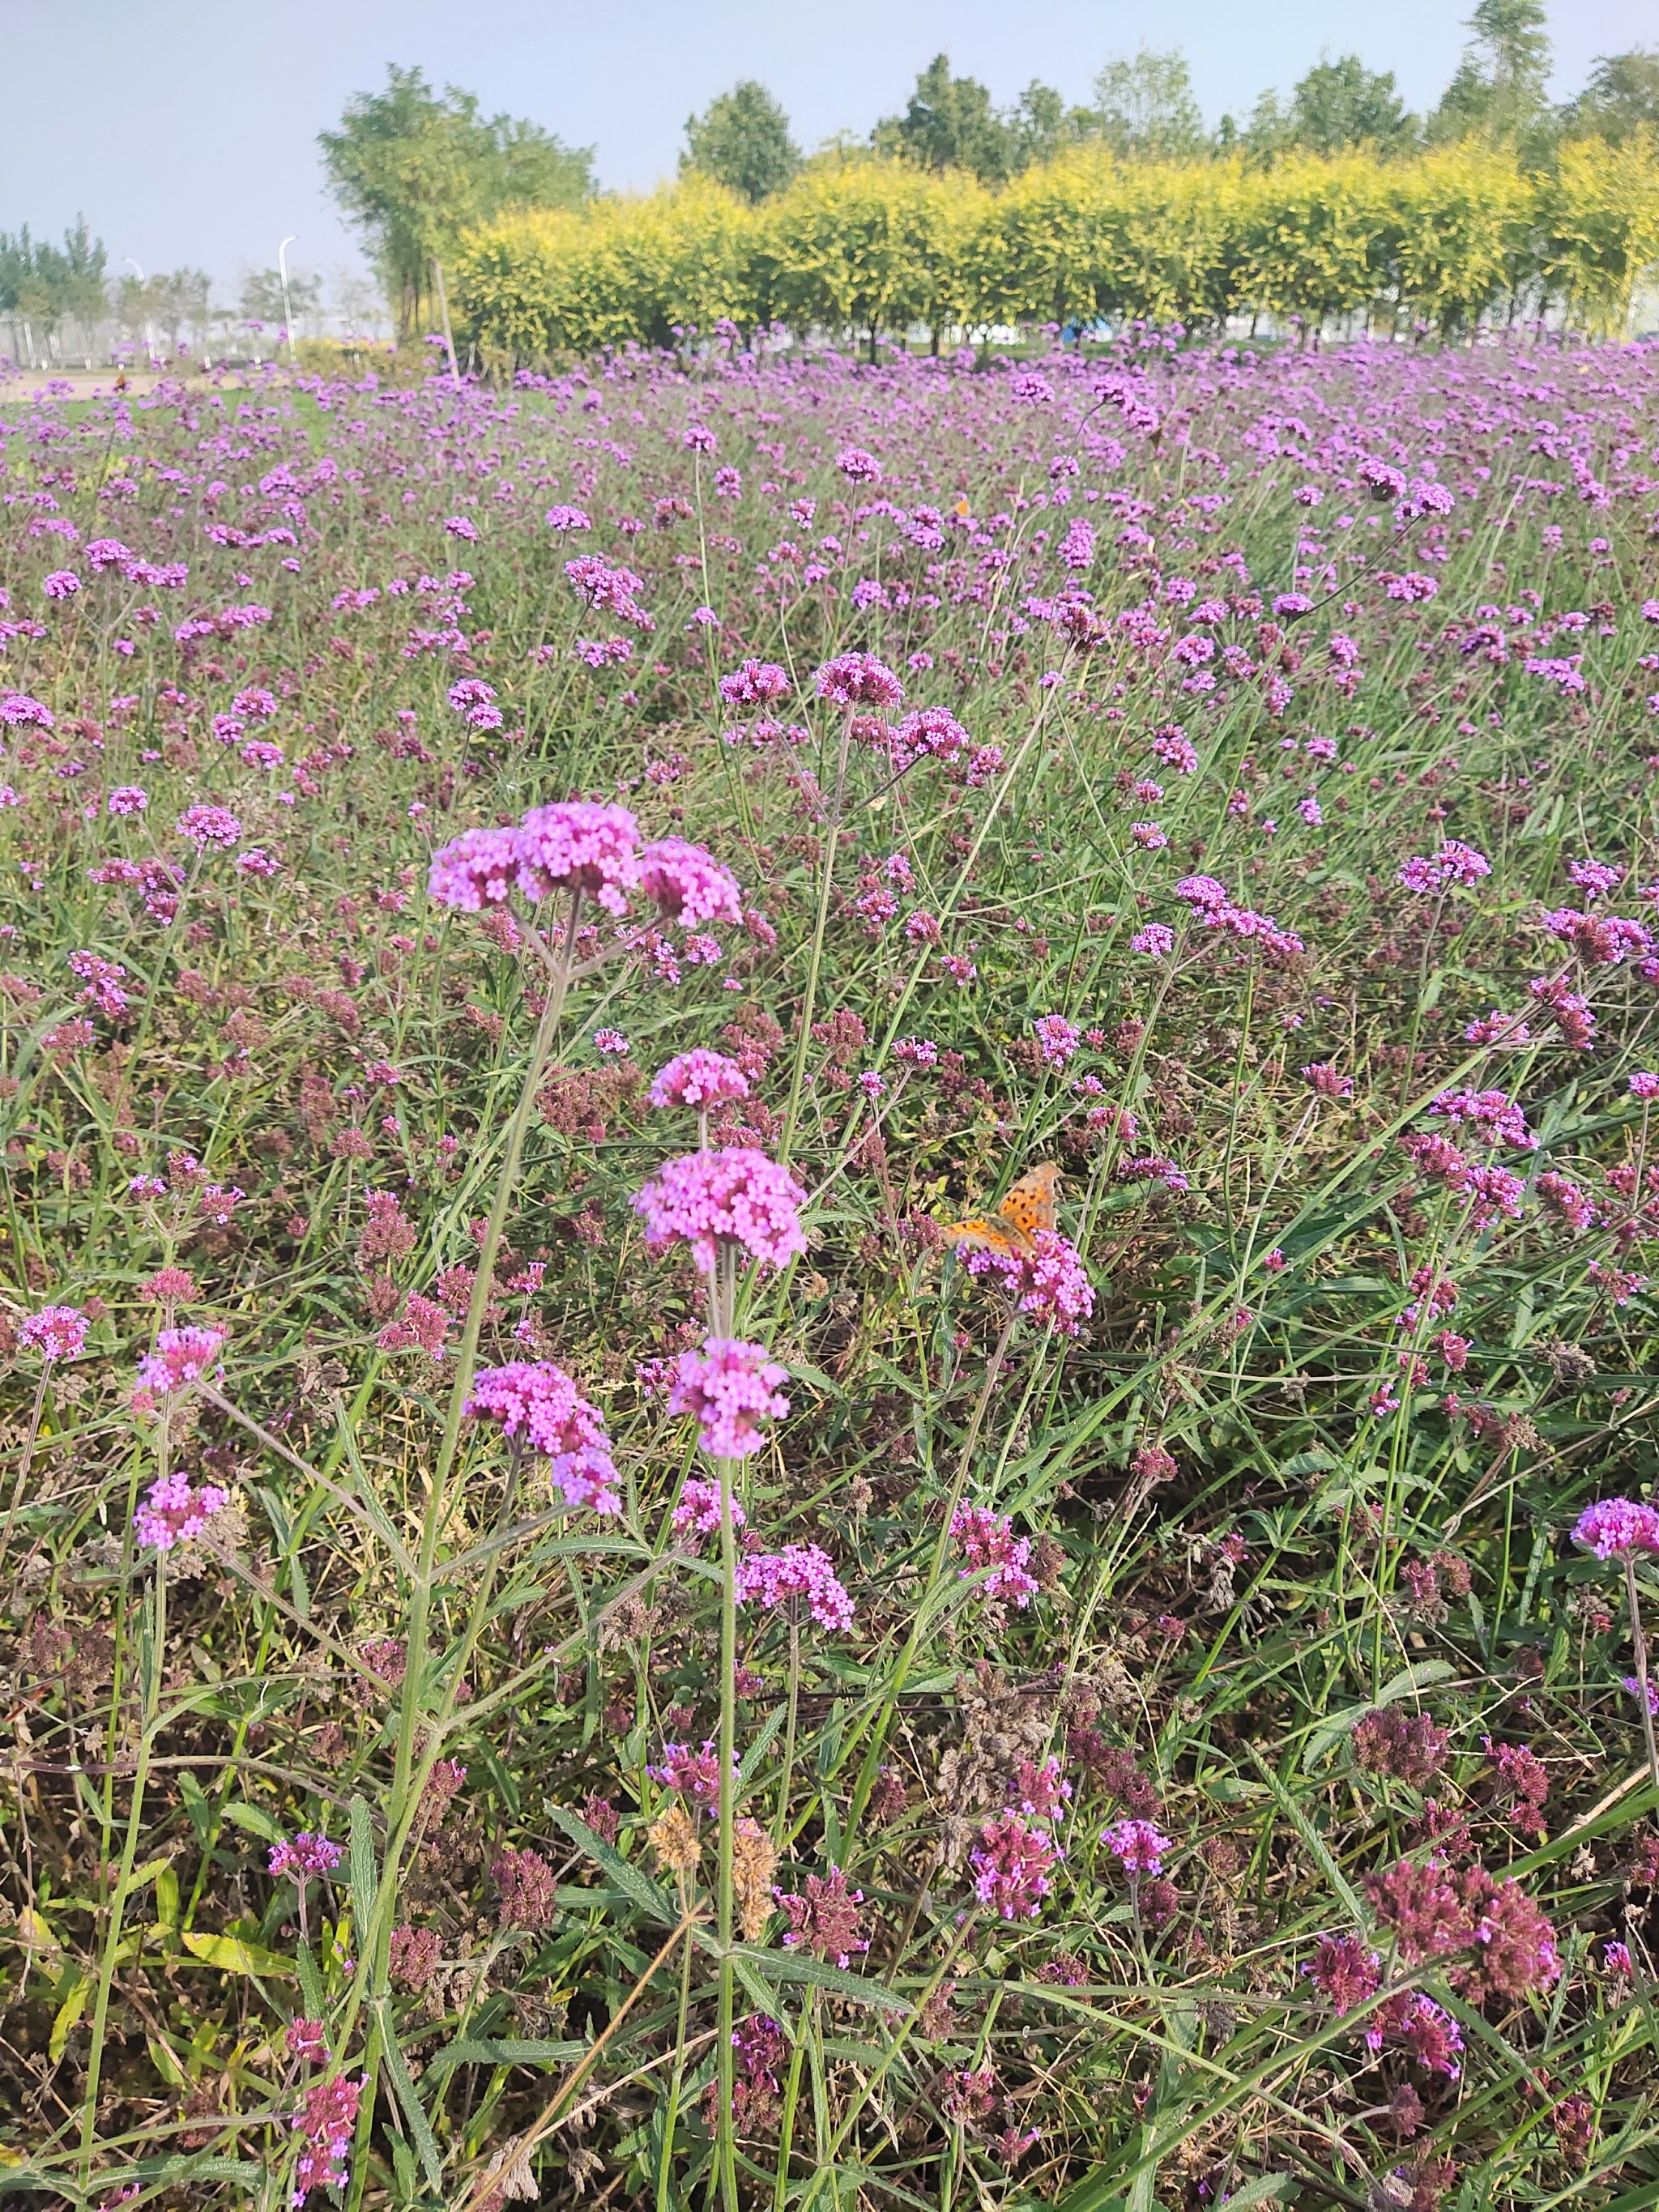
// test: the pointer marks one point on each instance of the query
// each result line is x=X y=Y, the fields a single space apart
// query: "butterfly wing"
x=1029 y=1205
x=977 y=1234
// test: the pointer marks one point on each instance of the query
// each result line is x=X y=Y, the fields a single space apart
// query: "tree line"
x=418 y=169
x=1452 y=237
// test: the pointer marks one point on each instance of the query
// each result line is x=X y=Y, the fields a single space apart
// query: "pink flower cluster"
x=1136 y=1845
x=1454 y=862
x=1011 y=1864
x=735 y=1196
x=305 y=1856
x=698 y=1513
x=1049 y=1282
x=56 y=1333
x=987 y=1540
x=538 y=1400
x=583 y=849
x=755 y=683
x=172 y=1513
x=826 y=1920
x=859 y=679
x=179 y=1358
x=1213 y=906
x=798 y=1571
x=326 y=2123
x=694 y=1774
x=1617 y=1526
x=732 y=1387
x=698 y=1077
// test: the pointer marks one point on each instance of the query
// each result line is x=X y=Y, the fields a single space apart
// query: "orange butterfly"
x=1029 y=1206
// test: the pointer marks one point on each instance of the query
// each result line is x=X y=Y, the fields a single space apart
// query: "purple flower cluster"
x=859 y=679
x=732 y=1387
x=174 y=1513
x=178 y=1358
x=583 y=849
x=1454 y=862
x=56 y=1333
x=1617 y=1528
x=1049 y=1282
x=798 y=1572
x=987 y=1540
x=1011 y=1864
x=304 y=1856
x=538 y=1401
x=1213 y=906
x=735 y=1197
x=698 y=1077
x=698 y=1512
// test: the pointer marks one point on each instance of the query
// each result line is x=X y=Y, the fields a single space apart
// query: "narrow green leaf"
x=254 y=1819
x=68 y=2013
x=640 y=1886
x=790 y=1966
x=233 y=1956
x=419 y=2126
x=364 y=1882
x=504 y=2051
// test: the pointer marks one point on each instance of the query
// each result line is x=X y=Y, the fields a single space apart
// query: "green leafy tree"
x=1145 y=108
x=49 y=284
x=742 y=140
x=1041 y=127
x=262 y=295
x=415 y=168
x=1499 y=90
x=1620 y=100
x=950 y=123
x=1342 y=103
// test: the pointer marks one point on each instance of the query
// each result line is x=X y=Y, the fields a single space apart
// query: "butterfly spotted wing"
x=1029 y=1206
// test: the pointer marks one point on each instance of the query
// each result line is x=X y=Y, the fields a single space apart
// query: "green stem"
x=1639 y=1646
x=723 y=1293
x=129 y=1855
x=808 y=997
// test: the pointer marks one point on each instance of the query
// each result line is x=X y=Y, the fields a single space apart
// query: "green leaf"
x=419 y=2126
x=504 y=2051
x=257 y=1821
x=68 y=2013
x=1096 y=2192
x=233 y=1956
x=1264 y=2190
x=639 y=1887
x=790 y=1966
x=362 y=1866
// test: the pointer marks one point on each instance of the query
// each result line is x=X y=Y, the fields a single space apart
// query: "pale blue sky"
x=186 y=131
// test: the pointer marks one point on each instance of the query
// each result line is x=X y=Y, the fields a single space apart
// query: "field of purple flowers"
x=826 y=1279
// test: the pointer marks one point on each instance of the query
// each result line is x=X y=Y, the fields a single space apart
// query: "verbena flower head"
x=304 y=1856
x=1453 y=863
x=826 y=1919
x=577 y=846
x=1345 y=1971
x=538 y=1401
x=735 y=1196
x=694 y=1774
x=754 y=683
x=1138 y=1845
x=857 y=466
x=1617 y=1526
x=326 y=2123
x=128 y=799
x=477 y=869
x=687 y=885
x=698 y=1513
x=1057 y=1038
x=56 y=1333
x=1049 y=1282
x=732 y=1387
x=798 y=1571
x=987 y=1540
x=859 y=679
x=202 y=826
x=179 y=1358
x=698 y=1077
x=1011 y=1864
x=174 y=1513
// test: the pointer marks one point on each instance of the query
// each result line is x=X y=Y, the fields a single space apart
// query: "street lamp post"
x=287 y=312
x=149 y=335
